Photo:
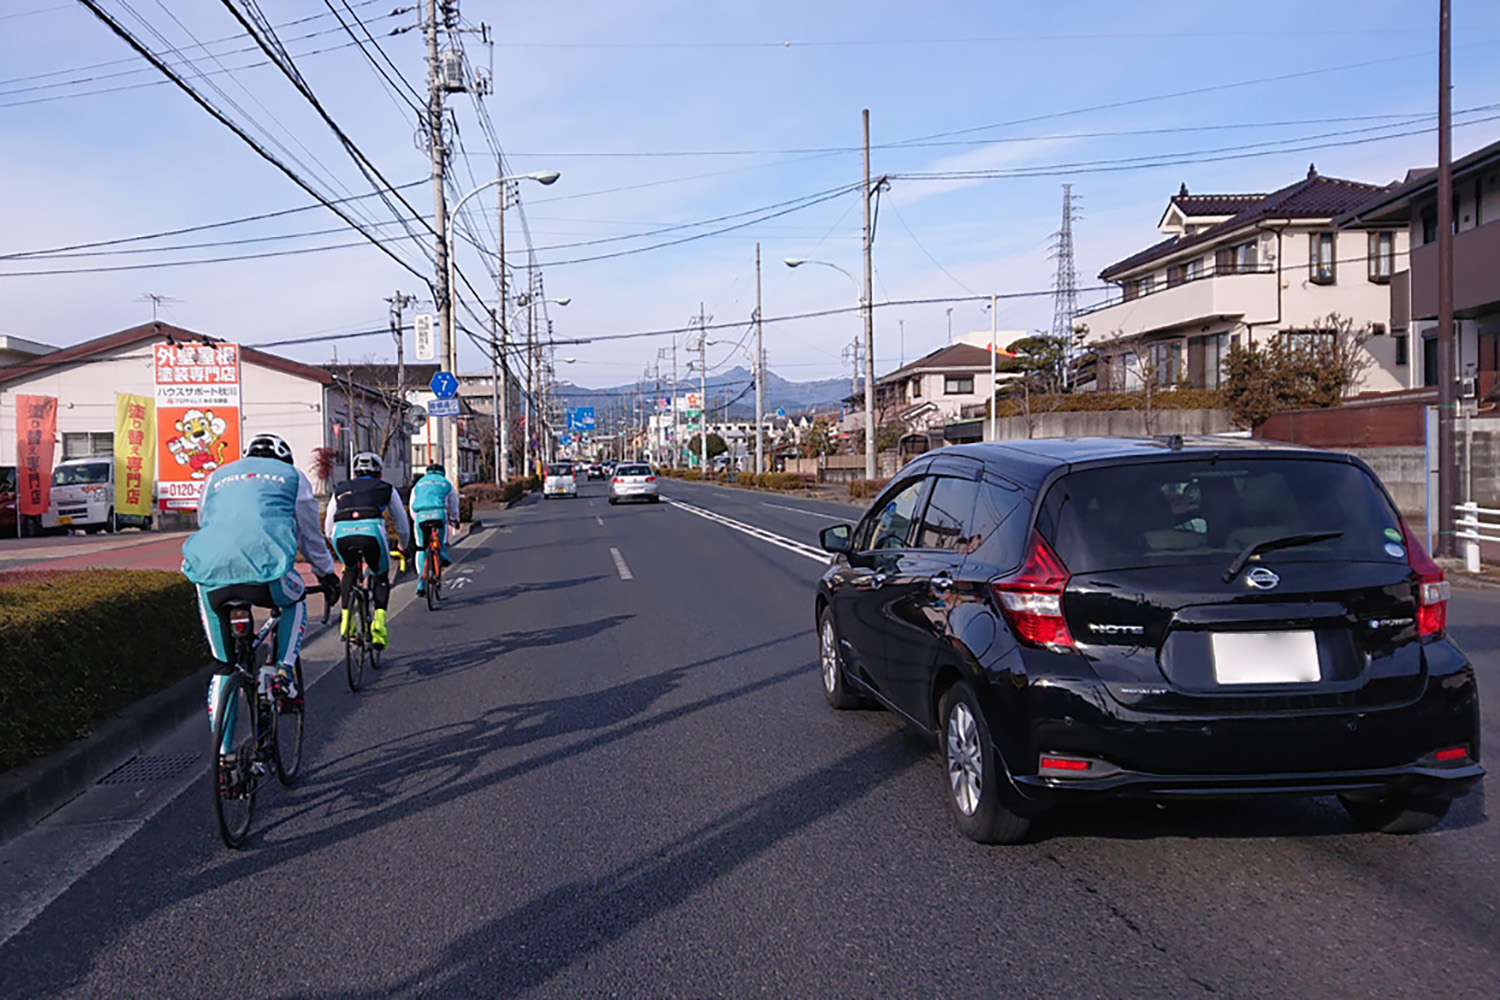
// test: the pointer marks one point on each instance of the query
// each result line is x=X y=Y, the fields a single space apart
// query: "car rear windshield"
x=1173 y=513
x=75 y=475
x=634 y=470
x=559 y=470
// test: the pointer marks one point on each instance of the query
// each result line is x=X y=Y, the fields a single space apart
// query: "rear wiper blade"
x=1284 y=542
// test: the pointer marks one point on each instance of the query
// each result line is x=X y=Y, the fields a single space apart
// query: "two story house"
x=952 y=383
x=1239 y=268
x=1412 y=206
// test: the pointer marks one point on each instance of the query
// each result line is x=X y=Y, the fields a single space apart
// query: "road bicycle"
x=432 y=568
x=359 y=644
x=252 y=731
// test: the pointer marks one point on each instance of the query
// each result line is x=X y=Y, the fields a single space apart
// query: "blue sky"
x=666 y=114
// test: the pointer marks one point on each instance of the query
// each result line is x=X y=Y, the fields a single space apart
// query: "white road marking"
x=620 y=564
x=599 y=519
x=799 y=510
x=781 y=541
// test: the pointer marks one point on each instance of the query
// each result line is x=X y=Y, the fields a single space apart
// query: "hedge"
x=78 y=647
x=492 y=494
x=1073 y=402
x=864 y=489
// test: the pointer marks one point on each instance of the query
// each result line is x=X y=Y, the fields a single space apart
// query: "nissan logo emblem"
x=1261 y=578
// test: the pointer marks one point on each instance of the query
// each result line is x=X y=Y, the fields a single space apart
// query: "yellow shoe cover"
x=377 y=629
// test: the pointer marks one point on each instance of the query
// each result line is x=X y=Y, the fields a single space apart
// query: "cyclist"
x=433 y=501
x=252 y=517
x=356 y=523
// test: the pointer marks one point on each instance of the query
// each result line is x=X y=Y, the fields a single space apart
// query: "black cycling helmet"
x=269 y=446
x=367 y=463
x=436 y=467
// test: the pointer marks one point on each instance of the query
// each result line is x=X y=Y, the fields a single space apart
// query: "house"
x=1238 y=268
x=309 y=406
x=14 y=350
x=1412 y=207
x=951 y=383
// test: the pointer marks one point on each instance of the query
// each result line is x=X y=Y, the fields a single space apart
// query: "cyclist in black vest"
x=356 y=525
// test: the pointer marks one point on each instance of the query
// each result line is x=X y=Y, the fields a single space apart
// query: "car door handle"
x=941 y=582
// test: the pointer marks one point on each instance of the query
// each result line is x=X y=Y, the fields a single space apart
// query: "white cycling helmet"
x=367 y=463
x=269 y=446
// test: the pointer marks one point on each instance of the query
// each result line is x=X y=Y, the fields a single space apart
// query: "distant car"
x=633 y=481
x=559 y=482
x=596 y=472
x=1084 y=619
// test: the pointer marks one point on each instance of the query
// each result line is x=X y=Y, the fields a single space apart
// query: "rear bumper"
x=633 y=493
x=1416 y=779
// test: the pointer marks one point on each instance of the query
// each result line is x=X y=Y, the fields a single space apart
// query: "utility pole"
x=530 y=429
x=702 y=390
x=760 y=376
x=1446 y=356
x=399 y=302
x=448 y=426
x=868 y=303
x=676 y=406
x=499 y=369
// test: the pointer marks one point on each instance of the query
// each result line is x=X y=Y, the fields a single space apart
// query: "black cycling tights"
x=357 y=551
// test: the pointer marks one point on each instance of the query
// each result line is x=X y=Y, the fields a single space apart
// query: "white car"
x=83 y=496
x=559 y=481
x=633 y=481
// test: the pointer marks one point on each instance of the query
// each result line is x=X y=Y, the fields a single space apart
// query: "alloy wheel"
x=965 y=765
x=828 y=657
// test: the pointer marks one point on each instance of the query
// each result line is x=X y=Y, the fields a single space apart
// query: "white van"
x=83 y=496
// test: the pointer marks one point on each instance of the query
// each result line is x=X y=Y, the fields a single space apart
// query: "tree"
x=1038 y=362
x=817 y=441
x=1294 y=371
x=716 y=446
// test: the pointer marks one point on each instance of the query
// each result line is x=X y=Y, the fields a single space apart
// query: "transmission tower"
x=1065 y=283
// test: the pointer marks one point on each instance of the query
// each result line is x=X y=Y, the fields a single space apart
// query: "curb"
x=38 y=788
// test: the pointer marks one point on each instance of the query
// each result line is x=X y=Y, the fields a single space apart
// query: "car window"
x=890 y=525
x=635 y=470
x=1178 y=512
x=945 y=522
x=999 y=523
x=559 y=470
x=75 y=475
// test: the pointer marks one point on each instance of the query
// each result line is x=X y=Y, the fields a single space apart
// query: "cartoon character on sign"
x=199 y=444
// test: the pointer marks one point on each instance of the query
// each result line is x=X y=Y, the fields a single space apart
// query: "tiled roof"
x=1213 y=204
x=1314 y=197
x=950 y=357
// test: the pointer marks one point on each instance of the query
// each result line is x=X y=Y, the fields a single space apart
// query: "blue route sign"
x=444 y=385
x=443 y=408
x=581 y=418
x=781 y=412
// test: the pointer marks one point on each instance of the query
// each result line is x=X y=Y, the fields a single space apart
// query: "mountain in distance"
x=734 y=385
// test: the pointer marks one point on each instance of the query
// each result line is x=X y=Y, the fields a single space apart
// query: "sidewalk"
x=88 y=551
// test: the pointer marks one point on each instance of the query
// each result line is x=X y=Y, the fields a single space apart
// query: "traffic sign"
x=565 y=439
x=781 y=411
x=444 y=385
x=443 y=408
x=426 y=342
x=581 y=418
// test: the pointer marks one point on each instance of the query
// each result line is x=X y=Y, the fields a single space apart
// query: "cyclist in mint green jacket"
x=433 y=501
x=252 y=517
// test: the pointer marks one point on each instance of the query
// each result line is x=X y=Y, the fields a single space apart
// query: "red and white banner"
x=36 y=441
x=197 y=417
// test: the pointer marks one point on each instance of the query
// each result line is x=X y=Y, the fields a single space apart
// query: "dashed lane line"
x=620 y=566
x=781 y=541
x=599 y=519
x=799 y=510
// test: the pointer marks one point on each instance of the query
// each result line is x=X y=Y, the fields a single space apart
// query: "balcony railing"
x=1116 y=295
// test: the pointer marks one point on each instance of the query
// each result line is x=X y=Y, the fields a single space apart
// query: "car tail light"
x=650 y=479
x=617 y=479
x=1432 y=588
x=1032 y=598
x=1452 y=753
x=1062 y=764
x=240 y=623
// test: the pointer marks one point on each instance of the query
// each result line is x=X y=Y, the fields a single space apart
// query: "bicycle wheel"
x=355 y=645
x=233 y=759
x=286 y=743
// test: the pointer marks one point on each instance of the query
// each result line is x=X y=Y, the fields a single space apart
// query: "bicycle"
x=359 y=644
x=432 y=570
x=251 y=729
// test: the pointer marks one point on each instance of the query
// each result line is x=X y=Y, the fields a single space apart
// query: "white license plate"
x=1266 y=658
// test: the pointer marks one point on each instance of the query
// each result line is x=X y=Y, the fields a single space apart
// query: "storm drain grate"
x=150 y=767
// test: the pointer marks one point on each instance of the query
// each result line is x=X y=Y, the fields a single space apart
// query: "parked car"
x=83 y=496
x=559 y=481
x=633 y=481
x=1088 y=618
x=9 y=519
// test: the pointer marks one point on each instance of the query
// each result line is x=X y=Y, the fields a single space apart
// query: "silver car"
x=633 y=481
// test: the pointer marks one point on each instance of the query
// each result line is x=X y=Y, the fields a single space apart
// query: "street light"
x=445 y=308
x=862 y=297
x=527 y=302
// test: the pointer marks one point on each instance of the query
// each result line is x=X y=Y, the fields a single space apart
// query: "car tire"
x=972 y=772
x=1396 y=813
x=656 y=499
x=836 y=688
x=613 y=501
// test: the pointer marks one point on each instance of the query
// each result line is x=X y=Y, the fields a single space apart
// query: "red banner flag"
x=36 y=434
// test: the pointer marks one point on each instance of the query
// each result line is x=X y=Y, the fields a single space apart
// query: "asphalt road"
x=605 y=768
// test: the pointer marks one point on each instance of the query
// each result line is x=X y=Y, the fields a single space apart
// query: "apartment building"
x=1240 y=268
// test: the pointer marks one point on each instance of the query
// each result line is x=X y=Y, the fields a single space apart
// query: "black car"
x=1084 y=618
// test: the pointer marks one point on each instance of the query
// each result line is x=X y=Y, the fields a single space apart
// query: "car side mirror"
x=837 y=539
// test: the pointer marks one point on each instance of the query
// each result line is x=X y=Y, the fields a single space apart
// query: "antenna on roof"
x=156 y=301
